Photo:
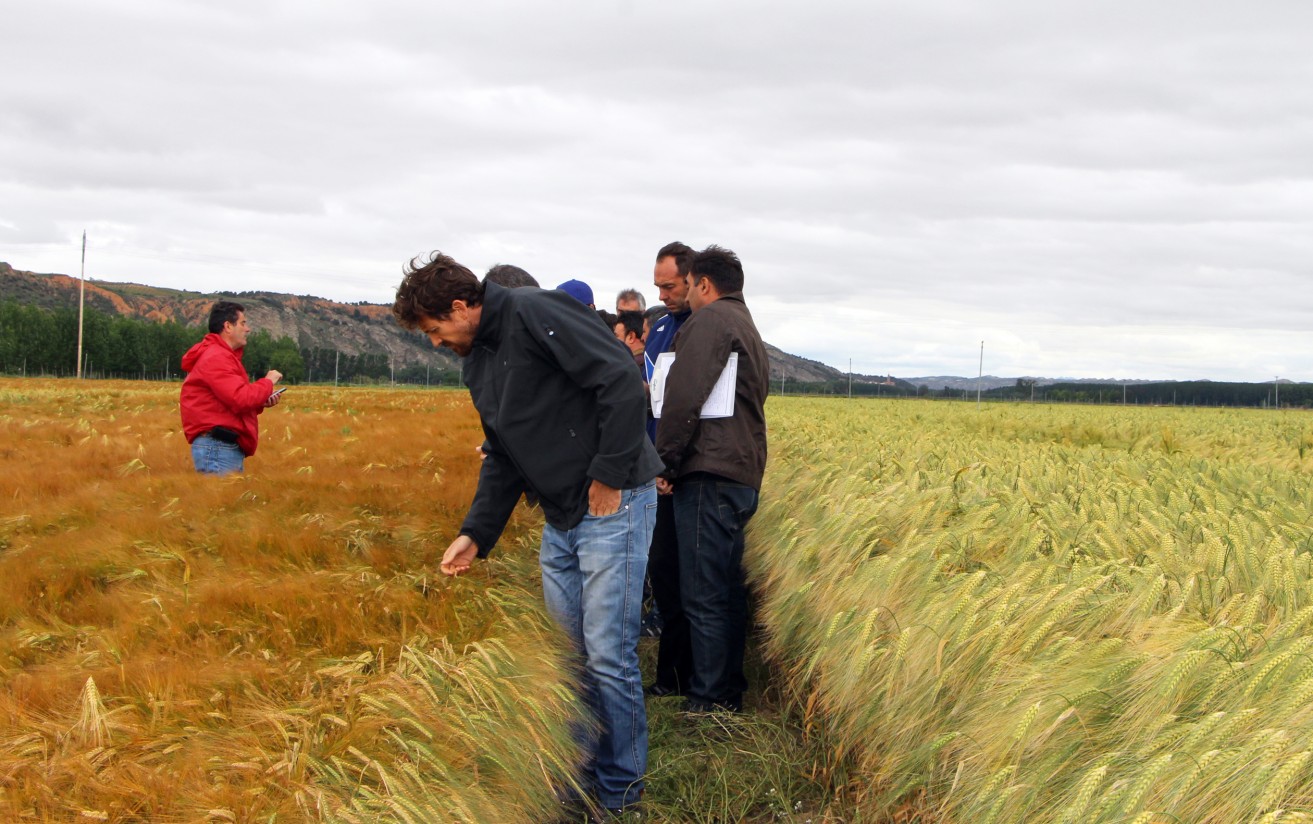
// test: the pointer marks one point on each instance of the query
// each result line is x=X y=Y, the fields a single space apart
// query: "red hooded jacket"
x=217 y=392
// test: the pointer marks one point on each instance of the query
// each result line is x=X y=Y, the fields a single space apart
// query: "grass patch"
x=766 y=764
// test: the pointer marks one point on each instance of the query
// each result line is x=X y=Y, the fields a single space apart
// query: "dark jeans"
x=710 y=515
x=674 y=653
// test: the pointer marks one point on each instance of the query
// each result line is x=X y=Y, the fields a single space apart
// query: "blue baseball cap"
x=578 y=290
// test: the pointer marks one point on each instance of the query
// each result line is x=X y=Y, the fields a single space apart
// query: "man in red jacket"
x=219 y=403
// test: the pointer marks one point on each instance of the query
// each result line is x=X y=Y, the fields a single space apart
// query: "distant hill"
x=803 y=370
x=313 y=322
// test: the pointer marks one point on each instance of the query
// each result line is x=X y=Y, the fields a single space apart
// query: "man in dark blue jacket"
x=563 y=412
x=674 y=665
x=716 y=464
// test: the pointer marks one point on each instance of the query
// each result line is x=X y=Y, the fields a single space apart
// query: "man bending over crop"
x=715 y=465
x=562 y=409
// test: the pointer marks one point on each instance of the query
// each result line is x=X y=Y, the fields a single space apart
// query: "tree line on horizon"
x=37 y=341
x=1168 y=393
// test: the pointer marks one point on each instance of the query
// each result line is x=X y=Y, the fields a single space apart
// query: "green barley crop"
x=1036 y=613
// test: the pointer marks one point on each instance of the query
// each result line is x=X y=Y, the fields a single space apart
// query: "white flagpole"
x=82 y=296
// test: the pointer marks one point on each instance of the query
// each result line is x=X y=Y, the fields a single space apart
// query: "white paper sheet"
x=720 y=403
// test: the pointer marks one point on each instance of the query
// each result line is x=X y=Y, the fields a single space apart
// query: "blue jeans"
x=710 y=515
x=593 y=585
x=214 y=457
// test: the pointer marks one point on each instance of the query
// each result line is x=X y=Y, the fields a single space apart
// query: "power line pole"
x=981 y=374
x=850 y=379
x=336 y=357
x=1276 y=391
x=82 y=297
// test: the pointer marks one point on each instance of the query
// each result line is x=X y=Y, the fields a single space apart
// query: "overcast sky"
x=1098 y=189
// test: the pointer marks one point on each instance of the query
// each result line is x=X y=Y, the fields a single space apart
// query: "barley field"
x=1008 y=614
x=1046 y=613
x=266 y=647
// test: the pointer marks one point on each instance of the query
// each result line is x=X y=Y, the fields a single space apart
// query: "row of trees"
x=36 y=341
x=1171 y=393
x=841 y=386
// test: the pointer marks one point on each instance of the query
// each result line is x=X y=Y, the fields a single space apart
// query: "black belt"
x=220 y=433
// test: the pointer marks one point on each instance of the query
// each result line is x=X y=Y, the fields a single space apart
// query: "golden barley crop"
x=269 y=646
x=1047 y=613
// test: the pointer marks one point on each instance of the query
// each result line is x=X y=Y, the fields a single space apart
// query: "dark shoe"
x=629 y=812
x=696 y=706
x=575 y=812
x=650 y=627
x=659 y=690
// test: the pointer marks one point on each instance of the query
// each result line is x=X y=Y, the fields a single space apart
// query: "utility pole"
x=980 y=375
x=82 y=297
x=336 y=358
x=850 y=379
x=1276 y=390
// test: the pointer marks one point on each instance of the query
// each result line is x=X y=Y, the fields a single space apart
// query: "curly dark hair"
x=429 y=288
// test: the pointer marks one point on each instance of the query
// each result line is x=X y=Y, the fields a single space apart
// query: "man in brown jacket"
x=715 y=466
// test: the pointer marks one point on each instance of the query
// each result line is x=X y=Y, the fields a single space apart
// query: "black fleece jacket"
x=561 y=405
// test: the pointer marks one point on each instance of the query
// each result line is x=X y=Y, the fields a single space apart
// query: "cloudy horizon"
x=1111 y=190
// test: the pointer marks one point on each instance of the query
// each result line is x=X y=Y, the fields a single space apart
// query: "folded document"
x=720 y=403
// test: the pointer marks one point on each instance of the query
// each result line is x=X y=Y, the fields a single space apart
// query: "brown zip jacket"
x=734 y=447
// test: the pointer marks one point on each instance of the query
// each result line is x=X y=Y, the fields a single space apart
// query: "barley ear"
x=91 y=728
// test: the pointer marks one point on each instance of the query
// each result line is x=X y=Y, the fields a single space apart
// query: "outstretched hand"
x=459 y=555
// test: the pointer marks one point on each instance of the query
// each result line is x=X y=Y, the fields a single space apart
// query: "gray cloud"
x=1112 y=189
